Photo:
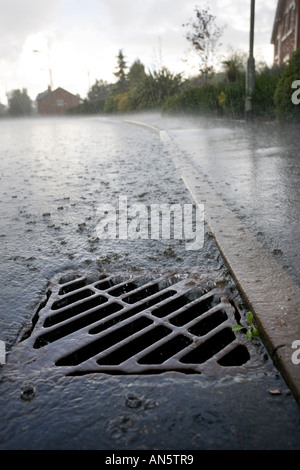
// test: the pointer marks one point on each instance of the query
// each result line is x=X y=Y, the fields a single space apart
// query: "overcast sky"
x=81 y=38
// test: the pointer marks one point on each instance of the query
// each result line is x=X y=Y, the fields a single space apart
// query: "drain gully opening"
x=130 y=324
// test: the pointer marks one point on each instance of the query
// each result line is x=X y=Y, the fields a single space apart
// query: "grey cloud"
x=20 y=18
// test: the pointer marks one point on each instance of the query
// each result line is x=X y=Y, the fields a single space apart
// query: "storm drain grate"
x=116 y=324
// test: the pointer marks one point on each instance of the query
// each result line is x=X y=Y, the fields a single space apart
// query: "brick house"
x=56 y=102
x=286 y=30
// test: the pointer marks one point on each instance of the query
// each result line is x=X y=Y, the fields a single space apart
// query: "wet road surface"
x=54 y=174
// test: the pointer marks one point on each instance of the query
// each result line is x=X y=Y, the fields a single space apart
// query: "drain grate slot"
x=104 y=343
x=237 y=357
x=123 y=289
x=141 y=295
x=130 y=313
x=104 y=285
x=148 y=290
x=126 y=324
x=209 y=323
x=76 y=325
x=174 y=305
x=71 y=299
x=166 y=351
x=73 y=311
x=195 y=310
x=72 y=287
x=135 y=346
x=210 y=347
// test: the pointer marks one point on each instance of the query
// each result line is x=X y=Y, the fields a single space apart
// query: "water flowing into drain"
x=127 y=324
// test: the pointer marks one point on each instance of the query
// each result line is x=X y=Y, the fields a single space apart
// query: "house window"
x=60 y=102
x=289 y=20
x=292 y=18
x=286 y=24
x=276 y=47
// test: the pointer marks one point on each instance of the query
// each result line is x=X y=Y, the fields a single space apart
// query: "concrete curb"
x=141 y=124
x=268 y=291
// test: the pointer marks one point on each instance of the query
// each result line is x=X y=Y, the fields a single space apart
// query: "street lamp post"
x=49 y=68
x=50 y=80
x=250 y=79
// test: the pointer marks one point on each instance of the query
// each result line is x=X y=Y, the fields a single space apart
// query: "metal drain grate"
x=131 y=325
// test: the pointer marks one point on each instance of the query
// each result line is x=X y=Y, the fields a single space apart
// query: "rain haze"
x=79 y=40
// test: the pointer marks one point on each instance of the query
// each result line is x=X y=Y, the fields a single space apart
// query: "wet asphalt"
x=54 y=174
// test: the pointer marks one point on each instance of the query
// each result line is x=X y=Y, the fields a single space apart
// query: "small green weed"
x=252 y=332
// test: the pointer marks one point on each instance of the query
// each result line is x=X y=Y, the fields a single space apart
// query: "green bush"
x=226 y=99
x=235 y=95
x=19 y=103
x=265 y=85
x=83 y=108
x=111 y=105
x=285 y=108
x=201 y=100
x=155 y=89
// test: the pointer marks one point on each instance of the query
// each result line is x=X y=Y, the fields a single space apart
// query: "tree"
x=121 y=73
x=155 y=89
x=19 y=103
x=2 y=110
x=204 y=36
x=165 y=83
x=98 y=94
x=136 y=74
x=234 y=67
